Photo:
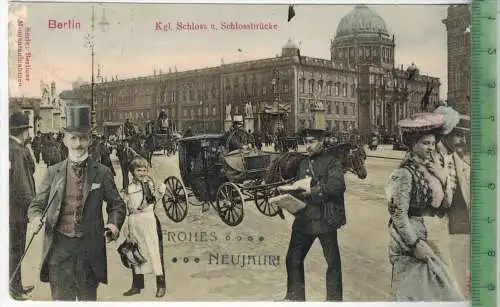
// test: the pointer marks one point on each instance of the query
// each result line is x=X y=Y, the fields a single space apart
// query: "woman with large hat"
x=416 y=193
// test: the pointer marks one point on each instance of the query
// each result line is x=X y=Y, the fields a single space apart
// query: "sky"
x=131 y=47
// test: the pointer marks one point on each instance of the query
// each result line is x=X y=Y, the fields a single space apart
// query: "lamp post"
x=91 y=45
x=276 y=88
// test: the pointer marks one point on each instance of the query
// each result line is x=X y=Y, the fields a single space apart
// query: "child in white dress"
x=143 y=227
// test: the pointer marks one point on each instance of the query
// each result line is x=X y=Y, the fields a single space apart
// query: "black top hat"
x=315 y=133
x=19 y=120
x=78 y=119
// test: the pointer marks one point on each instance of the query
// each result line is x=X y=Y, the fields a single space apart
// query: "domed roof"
x=361 y=20
x=290 y=45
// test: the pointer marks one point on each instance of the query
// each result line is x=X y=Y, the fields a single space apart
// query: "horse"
x=284 y=167
x=147 y=148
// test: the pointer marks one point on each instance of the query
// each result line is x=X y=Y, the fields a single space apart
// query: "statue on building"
x=228 y=111
x=412 y=71
x=248 y=110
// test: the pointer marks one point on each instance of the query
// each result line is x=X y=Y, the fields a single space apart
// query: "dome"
x=361 y=20
x=290 y=45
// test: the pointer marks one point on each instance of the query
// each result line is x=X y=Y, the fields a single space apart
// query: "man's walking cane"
x=29 y=244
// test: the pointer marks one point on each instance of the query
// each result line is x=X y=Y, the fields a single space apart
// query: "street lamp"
x=104 y=24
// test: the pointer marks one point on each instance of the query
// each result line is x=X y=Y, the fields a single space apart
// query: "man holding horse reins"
x=321 y=177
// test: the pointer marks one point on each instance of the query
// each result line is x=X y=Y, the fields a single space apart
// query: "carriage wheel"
x=230 y=204
x=261 y=199
x=175 y=199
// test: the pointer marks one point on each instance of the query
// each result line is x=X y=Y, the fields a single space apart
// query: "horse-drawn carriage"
x=219 y=179
x=286 y=143
x=225 y=179
x=161 y=138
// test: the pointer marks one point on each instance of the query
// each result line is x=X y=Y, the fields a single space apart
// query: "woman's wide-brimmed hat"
x=421 y=122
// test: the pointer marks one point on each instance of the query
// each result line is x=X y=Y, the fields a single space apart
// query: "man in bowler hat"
x=21 y=192
x=72 y=194
x=321 y=177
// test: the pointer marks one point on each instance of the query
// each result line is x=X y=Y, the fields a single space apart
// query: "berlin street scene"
x=230 y=152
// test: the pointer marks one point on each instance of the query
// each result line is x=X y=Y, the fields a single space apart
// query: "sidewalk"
x=385 y=152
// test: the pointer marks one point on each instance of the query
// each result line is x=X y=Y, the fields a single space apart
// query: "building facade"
x=458 y=23
x=386 y=93
x=358 y=86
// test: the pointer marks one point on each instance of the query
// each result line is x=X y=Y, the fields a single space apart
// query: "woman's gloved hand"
x=423 y=251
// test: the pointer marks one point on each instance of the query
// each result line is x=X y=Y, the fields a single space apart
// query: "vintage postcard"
x=146 y=141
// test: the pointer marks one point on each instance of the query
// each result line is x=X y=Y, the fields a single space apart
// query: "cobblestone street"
x=193 y=247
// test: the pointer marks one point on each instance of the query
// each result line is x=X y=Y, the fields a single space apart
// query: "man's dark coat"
x=99 y=187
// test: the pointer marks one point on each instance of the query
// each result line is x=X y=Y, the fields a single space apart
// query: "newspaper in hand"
x=288 y=202
x=302 y=185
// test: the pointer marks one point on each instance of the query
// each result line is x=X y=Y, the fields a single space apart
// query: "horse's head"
x=356 y=160
x=353 y=158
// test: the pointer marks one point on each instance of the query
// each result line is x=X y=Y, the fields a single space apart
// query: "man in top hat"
x=22 y=191
x=69 y=204
x=321 y=177
x=453 y=150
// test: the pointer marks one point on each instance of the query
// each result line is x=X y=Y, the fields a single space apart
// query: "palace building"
x=359 y=87
x=458 y=26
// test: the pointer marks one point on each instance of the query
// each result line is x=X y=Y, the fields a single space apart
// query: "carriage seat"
x=246 y=163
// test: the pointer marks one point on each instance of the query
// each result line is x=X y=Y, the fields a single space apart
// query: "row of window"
x=172 y=96
x=366 y=52
x=330 y=124
x=163 y=96
x=332 y=89
x=235 y=91
x=348 y=108
x=197 y=111
x=121 y=116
